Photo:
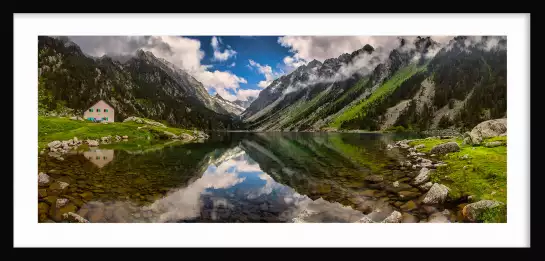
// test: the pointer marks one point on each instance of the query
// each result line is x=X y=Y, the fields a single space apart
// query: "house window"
x=104 y=157
x=104 y=118
x=105 y=110
x=98 y=110
x=98 y=157
x=90 y=110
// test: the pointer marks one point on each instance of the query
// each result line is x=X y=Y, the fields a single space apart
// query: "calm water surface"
x=233 y=177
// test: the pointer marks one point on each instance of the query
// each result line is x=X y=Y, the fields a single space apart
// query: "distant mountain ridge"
x=418 y=85
x=143 y=85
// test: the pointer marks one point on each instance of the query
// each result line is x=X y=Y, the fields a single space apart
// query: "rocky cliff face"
x=141 y=85
x=231 y=107
x=418 y=85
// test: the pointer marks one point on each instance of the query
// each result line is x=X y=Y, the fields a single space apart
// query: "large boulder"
x=445 y=148
x=486 y=129
x=437 y=194
x=485 y=210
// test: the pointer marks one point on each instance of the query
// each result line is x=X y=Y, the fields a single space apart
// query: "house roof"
x=92 y=104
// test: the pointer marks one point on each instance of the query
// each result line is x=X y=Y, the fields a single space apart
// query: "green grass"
x=498 y=138
x=430 y=143
x=57 y=128
x=378 y=95
x=485 y=175
x=494 y=215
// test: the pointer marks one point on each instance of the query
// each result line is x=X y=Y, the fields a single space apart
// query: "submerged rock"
x=445 y=148
x=438 y=217
x=43 y=179
x=365 y=219
x=395 y=217
x=410 y=205
x=73 y=217
x=374 y=178
x=61 y=202
x=408 y=218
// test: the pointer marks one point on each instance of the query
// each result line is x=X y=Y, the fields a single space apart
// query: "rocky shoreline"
x=435 y=195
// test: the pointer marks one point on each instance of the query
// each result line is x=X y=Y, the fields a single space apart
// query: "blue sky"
x=263 y=50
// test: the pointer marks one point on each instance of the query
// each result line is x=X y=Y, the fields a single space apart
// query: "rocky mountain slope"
x=231 y=107
x=418 y=85
x=142 y=85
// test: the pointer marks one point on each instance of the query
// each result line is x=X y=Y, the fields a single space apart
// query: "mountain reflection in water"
x=236 y=177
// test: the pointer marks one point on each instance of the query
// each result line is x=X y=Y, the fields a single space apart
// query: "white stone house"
x=100 y=111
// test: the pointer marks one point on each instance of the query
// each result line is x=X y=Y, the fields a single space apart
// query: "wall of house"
x=99 y=157
x=99 y=112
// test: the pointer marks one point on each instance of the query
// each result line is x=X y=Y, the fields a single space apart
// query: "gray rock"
x=374 y=178
x=43 y=179
x=61 y=202
x=396 y=184
x=170 y=134
x=365 y=219
x=438 y=217
x=54 y=144
x=426 y=186
x=445 y=148
x=73 y=217
x=92 y=143
x=105 y=139
x=437 y=194
x=419 y=146
x=408 y=218
x=472 y=211
x=487 y=129
x=466 y=156
x=185 y=136
x=426 y=163
x=423 y=176
x=63 y=185
x=395 y=217
x=125 y=137
x=493 y=144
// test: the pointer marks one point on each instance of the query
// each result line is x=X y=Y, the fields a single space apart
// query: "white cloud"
x=233 y=64
x=266 y=70
x=243 y=95
x=218 y=54
x=183 y=52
